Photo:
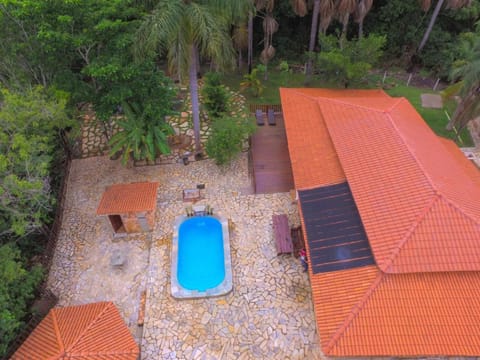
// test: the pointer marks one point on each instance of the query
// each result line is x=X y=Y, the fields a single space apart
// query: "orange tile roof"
x=125 y=198
x=314 y=161
x=91 y=331
x=419 y=200
x=420 y=209
x=365 y=312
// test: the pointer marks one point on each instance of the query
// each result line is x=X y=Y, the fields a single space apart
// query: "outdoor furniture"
x=282 y=235
x=191 y=195
x=259 y=116
x=271 y=117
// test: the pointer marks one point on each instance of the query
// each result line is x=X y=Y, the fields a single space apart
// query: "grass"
x=276 y=80
x=435 y=118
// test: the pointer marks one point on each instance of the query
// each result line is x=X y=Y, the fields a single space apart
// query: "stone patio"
x=269 y=314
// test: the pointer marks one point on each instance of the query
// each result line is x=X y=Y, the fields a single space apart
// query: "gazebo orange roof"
x=88 y=332
x=418 y=199
x=125 y=198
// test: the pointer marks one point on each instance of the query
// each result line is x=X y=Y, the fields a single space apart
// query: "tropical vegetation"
x=228 y=136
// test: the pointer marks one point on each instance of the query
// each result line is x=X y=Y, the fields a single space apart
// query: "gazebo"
x=91 y=331
x=130 y=207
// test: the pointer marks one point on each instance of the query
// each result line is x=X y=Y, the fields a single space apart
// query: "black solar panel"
x=335 y=232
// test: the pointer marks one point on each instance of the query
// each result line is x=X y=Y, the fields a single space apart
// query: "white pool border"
x=225 y=287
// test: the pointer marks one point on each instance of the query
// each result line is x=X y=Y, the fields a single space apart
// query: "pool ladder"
x=199 y=210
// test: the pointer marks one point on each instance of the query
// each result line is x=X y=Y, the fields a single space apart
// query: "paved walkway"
x=269 y=314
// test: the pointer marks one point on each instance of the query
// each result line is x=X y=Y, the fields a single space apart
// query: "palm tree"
x=425 y=4
x=313 y=37
x=186 y=30
x=362 y=9
x=467 y=69
x=142 y=137
x=270 y=26
x=343 y=11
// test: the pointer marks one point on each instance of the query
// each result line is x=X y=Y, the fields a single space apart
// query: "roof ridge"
x=299 y=93
x=346 y=102
x=57 y=334
x=456 y=207
x=407 y=236
x=354 y=313
x=104 y=352
x=108 y=304
x=399 y=133
x=438 y=193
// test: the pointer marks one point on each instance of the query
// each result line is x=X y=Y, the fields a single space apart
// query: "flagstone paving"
x=269 y=313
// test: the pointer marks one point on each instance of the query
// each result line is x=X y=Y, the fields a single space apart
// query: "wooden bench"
x=282 y=235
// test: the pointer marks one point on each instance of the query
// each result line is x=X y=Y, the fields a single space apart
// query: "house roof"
x=418 y=199
x=92 y=331
x=366 y=312
x=125 y=198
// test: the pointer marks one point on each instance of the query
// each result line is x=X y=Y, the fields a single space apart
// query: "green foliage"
x=351 y=60
x=17 y=289
x=144 y=134
x=215 y=95
x=29 y=126
x=253 y=83
x=227 y=138
x=467 y=69
x=285 y=71
x=52 y=42
x=439 y=52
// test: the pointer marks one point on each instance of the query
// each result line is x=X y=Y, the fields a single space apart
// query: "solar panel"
x=335 y=233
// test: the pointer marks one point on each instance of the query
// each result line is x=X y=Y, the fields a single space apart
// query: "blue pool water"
x=201 y=263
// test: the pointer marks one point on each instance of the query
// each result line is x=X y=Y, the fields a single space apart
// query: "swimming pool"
x=201 y=262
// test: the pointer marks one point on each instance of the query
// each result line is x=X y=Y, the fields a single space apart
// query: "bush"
x=349 y=61
x=17 y=290
x=227 y=138
x=215 y=95
x=252 y=82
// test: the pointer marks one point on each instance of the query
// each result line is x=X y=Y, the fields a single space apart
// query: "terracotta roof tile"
x=418 y=199
x=412 y=315
x=92 y=331
x=125 y=198
x=314 y=160
x=398 y=169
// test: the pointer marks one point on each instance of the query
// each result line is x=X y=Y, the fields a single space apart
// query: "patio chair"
x=271 y=117
x=259 y=116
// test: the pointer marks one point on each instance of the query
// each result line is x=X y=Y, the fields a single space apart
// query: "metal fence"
x=265 y=107
x=47 y=257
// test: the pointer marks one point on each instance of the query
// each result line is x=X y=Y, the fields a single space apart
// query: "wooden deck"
x=270 y=161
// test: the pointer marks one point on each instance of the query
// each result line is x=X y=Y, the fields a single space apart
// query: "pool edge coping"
x=226 y=286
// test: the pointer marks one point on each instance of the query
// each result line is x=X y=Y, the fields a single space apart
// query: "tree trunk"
x=360 y=29
x=240 y=60
x=461 y=116
x=197 y=62
x=313 y=37
x=430 y=25
x=194 y=98
x=250 y=41
x=343 y=36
